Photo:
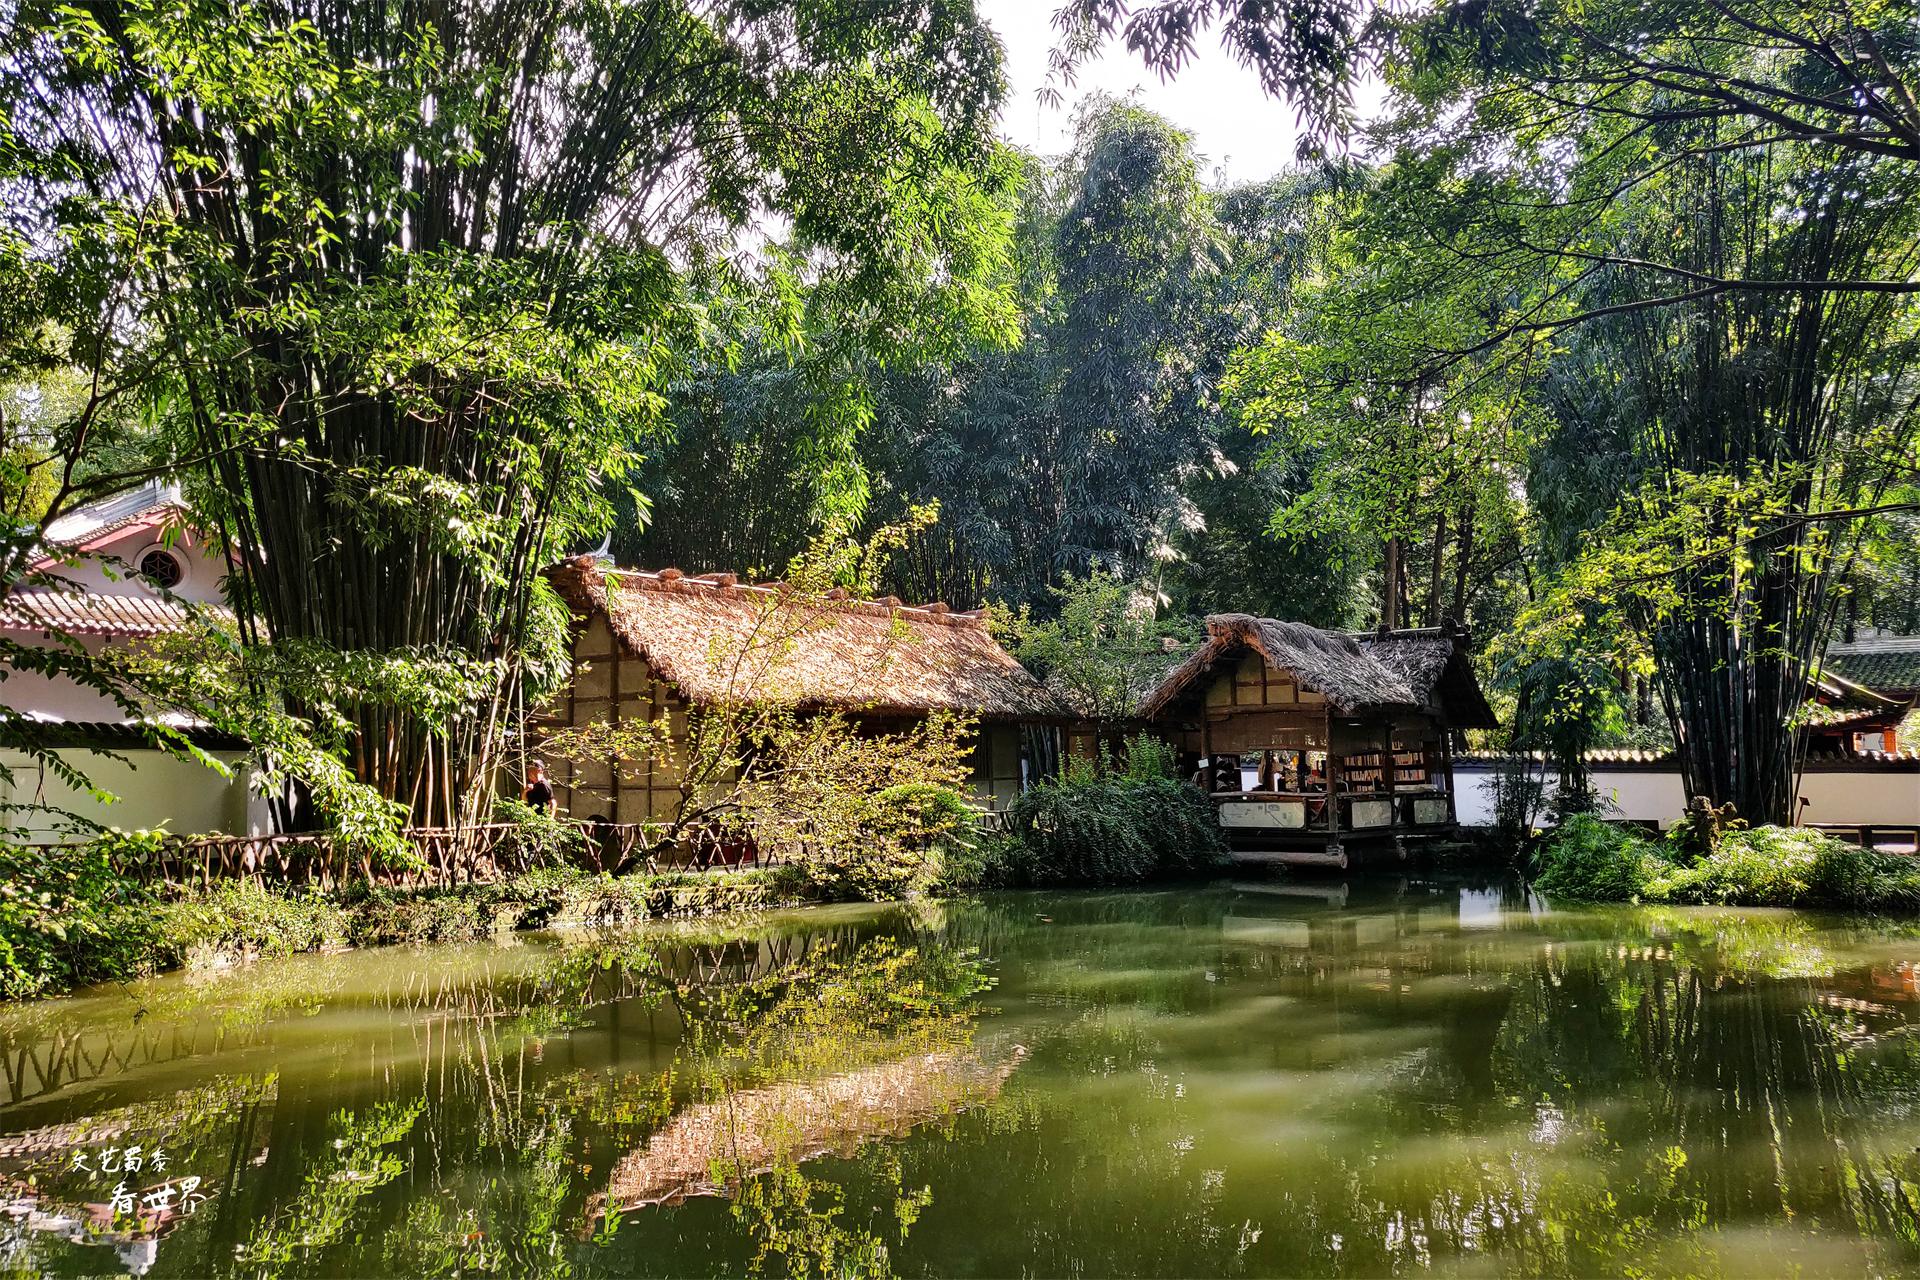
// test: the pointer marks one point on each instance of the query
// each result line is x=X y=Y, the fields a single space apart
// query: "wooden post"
x=1333 y=782
x=1389 y=771
x=613 y=718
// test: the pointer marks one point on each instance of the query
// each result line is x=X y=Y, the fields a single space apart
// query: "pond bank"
x=121 y=932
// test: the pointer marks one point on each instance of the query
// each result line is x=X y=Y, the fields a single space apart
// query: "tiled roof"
x=85 y=528
x=90 y=614
x=115 y=734
x=1888 y=670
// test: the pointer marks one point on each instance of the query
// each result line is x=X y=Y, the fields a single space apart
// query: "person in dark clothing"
x=539 y=790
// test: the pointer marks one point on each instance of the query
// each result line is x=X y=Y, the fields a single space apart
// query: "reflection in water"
x=1289 y=1077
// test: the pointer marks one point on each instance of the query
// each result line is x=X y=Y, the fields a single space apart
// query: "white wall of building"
x=56 y=697
x=153 y=788
x=1869 y=793
x=107 y=570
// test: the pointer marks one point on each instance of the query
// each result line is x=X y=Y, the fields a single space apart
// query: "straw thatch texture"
x=1435 y=668
x=800 y=1120
x=1326 y=662
x=1401 y=671
x=714 y=640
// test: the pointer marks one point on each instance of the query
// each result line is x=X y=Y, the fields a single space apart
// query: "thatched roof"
x=1433 y=661
x=1365 y=674
x=799 y=1120
x=713 y=638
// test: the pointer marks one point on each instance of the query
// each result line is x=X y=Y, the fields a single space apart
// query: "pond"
x=1274 y=1078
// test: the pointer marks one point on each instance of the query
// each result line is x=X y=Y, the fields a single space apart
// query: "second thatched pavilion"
x=1319 y=744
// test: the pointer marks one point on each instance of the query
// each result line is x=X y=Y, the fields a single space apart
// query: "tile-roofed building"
x=113 y=573
x=120 y=570
x=1888 y=664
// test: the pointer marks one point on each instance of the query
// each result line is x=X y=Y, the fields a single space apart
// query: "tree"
x=1105 y=649
x=1405 y=463
x=1719 y=199
x=1080 y=446
x=404 y=282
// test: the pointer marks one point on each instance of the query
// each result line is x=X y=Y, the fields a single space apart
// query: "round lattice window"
x=162 y=568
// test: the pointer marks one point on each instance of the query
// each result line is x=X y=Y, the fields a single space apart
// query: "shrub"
x=1148 y=759
x=1783 y=866
x=239 y=920
x=538 y=838
x=1762 y=867
x=1103 y=828
x=67 y=918
x=1587 y=860
x=893 y=843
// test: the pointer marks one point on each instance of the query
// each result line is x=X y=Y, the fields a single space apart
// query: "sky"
x=1242 y=134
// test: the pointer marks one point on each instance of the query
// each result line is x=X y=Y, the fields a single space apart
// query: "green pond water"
x=1278 y=1078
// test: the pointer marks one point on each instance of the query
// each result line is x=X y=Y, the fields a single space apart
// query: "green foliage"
x=408 y=293
x=68 y=917
x=1100 y=826
x=916 y=833
x=1079 y=449
x=1147 y=758
x=1104 y=649
x=1783 y=866
x=1588 y=860
x=539 y=837
x=239 y=920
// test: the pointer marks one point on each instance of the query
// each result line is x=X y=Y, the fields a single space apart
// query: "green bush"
x=1587 y=860
x=538 y=839
x=1091 y=827
x=238 y=920
x=896 y=843
x=67 y=918
x=1787 y=867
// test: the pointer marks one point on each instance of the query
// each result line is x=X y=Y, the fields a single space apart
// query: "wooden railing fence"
x=446 y=855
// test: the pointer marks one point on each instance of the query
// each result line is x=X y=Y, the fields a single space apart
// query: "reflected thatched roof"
x=1376 y=673
x=749 y=1131
x=715 y=639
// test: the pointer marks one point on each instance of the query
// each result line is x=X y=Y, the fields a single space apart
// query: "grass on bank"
x=68 y=919
x=1588 y=860
x=77 y=922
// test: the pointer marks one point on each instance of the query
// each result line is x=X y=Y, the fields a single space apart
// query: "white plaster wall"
x=1647 y=795
x=56 y=697
x=1892 y=798
x=154 y=789
x=203 y=563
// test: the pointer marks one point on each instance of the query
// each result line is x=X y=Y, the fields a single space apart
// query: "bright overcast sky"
x=1242 y=134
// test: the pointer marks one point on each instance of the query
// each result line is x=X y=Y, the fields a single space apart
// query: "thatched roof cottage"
x=1314 y=740
x=648 y=645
